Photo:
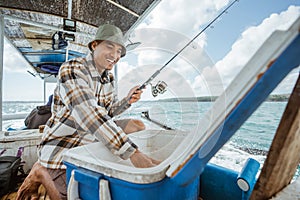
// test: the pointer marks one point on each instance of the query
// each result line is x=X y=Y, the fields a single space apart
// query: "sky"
x=204 y=68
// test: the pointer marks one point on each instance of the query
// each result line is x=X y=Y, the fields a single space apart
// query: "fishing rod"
x=172 y=58
x=160 y=88
x=145 y=115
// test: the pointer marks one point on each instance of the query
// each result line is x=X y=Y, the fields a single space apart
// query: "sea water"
x=252 y=140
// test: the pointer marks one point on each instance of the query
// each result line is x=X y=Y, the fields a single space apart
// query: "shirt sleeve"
x=118 y=107
x=76 y=92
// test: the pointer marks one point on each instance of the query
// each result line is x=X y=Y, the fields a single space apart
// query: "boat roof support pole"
x=45 y=97
x=69 y=9
x=67 y=51
x=1 y=64
x=69 y=17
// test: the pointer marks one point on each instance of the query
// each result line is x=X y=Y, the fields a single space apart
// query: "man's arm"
x=133 y=96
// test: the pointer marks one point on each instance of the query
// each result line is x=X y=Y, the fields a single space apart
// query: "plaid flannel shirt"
x=83 y=107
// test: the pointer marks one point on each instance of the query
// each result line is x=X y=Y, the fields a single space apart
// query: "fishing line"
x=155 y=74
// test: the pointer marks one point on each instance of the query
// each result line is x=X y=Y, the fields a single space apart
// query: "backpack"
x=11 y=172
x=38 y=116
x=9 y=166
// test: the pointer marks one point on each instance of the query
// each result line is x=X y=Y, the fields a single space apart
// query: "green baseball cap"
x=110 y=33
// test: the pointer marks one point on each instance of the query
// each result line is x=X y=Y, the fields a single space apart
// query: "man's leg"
x=59 y=178
x=130 y=125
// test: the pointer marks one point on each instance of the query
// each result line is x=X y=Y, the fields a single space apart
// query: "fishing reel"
x=159 y=88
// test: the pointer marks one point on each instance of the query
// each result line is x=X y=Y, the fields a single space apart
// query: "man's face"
x=106 y=54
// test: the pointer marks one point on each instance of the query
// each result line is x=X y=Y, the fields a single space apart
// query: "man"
x=83 y=106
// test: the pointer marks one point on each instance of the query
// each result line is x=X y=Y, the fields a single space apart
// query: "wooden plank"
x=38 y=37
x=42 y=195
x=284 y=154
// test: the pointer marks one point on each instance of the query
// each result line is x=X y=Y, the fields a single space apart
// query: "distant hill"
x=278 y=97
x=189 y=99
x=272 y=98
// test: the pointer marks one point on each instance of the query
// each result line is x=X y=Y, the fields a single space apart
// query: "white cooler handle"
x=104 y=192
x=73 y=193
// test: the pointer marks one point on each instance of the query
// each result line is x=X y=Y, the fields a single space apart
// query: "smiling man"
x=84 y=104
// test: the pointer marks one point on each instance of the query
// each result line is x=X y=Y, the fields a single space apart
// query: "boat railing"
x=6 y=117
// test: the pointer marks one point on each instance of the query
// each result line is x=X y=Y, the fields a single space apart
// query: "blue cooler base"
x=88 y=186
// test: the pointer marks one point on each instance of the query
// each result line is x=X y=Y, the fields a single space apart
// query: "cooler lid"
x=227 y=102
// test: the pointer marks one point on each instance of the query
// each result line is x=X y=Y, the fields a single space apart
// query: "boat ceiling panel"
x=90 y=12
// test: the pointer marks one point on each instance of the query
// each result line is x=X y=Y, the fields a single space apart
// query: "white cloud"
x=173 y=15
x=13 y=61
x=251 y=39
x=175 y=23
x=173 y=27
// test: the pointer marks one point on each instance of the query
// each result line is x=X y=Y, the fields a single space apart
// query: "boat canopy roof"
x=120 y=13
x=47 y=33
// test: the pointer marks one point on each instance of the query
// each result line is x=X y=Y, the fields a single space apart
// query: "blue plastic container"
x=89 y=168
x=88 y=186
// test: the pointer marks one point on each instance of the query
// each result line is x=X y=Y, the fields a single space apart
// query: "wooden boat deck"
x=13 y=195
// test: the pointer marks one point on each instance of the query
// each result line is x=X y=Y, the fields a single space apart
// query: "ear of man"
x=94 y=45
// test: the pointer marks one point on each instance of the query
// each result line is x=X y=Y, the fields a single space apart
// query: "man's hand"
x=141 y=160
x=38 y=176
x=134 y=94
